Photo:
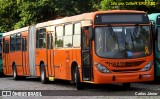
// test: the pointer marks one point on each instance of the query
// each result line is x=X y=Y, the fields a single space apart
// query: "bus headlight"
x=102 y=68
x=148 y=66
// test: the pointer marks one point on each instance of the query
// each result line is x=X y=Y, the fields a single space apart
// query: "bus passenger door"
x=50 y=55
x=6 y=57
x=24 y=55
x=86 y=55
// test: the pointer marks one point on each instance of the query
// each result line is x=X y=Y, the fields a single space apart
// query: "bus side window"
x=59 y=36
x=37 y=36
x=77 y=35
x=24 y=44
x=7 y=47
x=41 y=38
x=68 y=32
x=18 y=42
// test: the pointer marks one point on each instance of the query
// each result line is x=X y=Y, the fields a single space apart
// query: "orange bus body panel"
x=59 y=61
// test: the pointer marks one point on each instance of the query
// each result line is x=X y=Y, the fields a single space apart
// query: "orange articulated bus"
x=99 y=47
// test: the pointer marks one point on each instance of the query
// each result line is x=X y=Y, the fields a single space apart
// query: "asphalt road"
x=63 y=89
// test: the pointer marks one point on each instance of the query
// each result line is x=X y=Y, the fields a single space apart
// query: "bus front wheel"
x=79 y=84
x=43 y=74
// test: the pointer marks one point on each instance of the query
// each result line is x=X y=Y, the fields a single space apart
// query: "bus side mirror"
x=91 y=33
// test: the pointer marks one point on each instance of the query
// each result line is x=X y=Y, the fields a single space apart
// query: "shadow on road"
x=99 y=89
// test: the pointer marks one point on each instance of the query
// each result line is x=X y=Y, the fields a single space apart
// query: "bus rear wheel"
x=79 y=84
x=43 y=74
x=15 y=76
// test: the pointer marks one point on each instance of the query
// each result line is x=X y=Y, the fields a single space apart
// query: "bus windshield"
x=123 y=41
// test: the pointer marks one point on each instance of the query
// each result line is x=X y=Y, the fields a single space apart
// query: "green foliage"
x=20 y=13
x=32 y=11
x=105 y=4
x=8 y=14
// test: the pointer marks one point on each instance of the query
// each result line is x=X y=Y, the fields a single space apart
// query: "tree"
x=34 y=11
x=9 y=14
x=106 y=5
x=20 y=13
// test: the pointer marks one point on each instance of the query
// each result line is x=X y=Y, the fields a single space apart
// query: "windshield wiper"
x=136 y=30
x=132 y=41
x=134 y=35
x=117 y=38
x=113 y=34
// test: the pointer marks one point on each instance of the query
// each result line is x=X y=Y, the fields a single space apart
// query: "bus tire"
x=126 y=85
x=73 y=72
x=79 y=84
x=15 y=76
x=43 y=74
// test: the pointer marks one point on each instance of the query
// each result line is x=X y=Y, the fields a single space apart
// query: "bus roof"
x=84 y=16
x=15 y=31
x=81 y=17
x=120 y=11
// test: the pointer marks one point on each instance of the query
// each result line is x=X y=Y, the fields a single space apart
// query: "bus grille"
x=125 y=64
x=127 y=71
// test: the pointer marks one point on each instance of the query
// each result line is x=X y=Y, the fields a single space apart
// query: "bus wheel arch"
x=75 y=74
x=41 y=62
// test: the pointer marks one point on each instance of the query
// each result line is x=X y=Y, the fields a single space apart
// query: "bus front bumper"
x=103 y=78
